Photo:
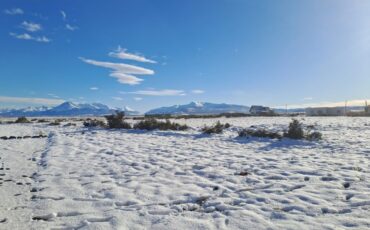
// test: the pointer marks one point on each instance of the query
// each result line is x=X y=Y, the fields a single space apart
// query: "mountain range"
x=199 y=108
x=98 y=109
x=66 y=109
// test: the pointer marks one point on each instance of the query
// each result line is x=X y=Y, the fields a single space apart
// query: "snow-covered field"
x=103 y=179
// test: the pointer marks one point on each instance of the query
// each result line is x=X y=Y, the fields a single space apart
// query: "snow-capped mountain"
x=200 y=108
x=23 y=111
x=66 y=109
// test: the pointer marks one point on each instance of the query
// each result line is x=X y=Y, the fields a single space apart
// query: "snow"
x=128 y=179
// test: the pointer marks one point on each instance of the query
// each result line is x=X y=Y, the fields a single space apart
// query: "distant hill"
x=66 y=109
x=303 y=110
x=196 y=108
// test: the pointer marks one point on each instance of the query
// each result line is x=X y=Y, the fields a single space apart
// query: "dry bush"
x=153 y=124
x=216 y=128
x=54 y=123
x=22 y=120
x=259 y=133
x=94 y=123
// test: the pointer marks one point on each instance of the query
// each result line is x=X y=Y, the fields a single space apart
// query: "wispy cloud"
x=71 y=28
x=197 y=91
x=64 y=15
x=13 y=11
x=117 y=98
x=26 y=36
x=138 y=98
x=122 y=54
x=29 y=100
x=308 y=98
x=124 y=73
x=94 y=88
x=30 y=26
x=165 y=92
x=53 y=95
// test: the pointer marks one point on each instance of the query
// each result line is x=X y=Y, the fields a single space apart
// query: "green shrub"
x=216 y=128
x=22 y=120
x=152 y=124
x=41 y=121
x=116 y=121
x=295 y=130
x=259 y=133
x=94 y=123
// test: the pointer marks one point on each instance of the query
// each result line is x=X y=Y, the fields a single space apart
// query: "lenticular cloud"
x=124 y=73
x=122 y=54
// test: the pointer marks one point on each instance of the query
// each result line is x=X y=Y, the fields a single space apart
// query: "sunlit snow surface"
x=102 y=179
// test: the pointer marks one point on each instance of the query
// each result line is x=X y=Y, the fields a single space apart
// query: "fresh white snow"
x=125 y=179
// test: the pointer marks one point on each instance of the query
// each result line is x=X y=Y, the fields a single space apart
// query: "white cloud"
x=30 y=26
x=122 y=54
x=94 y=88
x=71 y=28
x=117 y=98
x=64 y=15
x=197 y=91
x=27 y=36
x=120 y=67
x=308 y=98
x=13 y=11
x=165 y=92
x=126 y=78
x=28 y=100
x=138 y=98
x=123 y=72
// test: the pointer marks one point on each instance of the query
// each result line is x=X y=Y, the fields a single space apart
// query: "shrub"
x=216 y=128
x=138 y=118
x=41 y=121
x=295 y=130
x=94 y=123
x=69 y=124
x=54 y=123
x=22 y=120
x=152 y=124
x=116 y=121
x=314 y=136
x=259 y=133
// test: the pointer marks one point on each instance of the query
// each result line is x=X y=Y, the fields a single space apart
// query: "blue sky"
x=146 y=54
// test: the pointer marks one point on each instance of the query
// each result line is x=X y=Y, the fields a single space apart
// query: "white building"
x=326 y=111
x=260 y=110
